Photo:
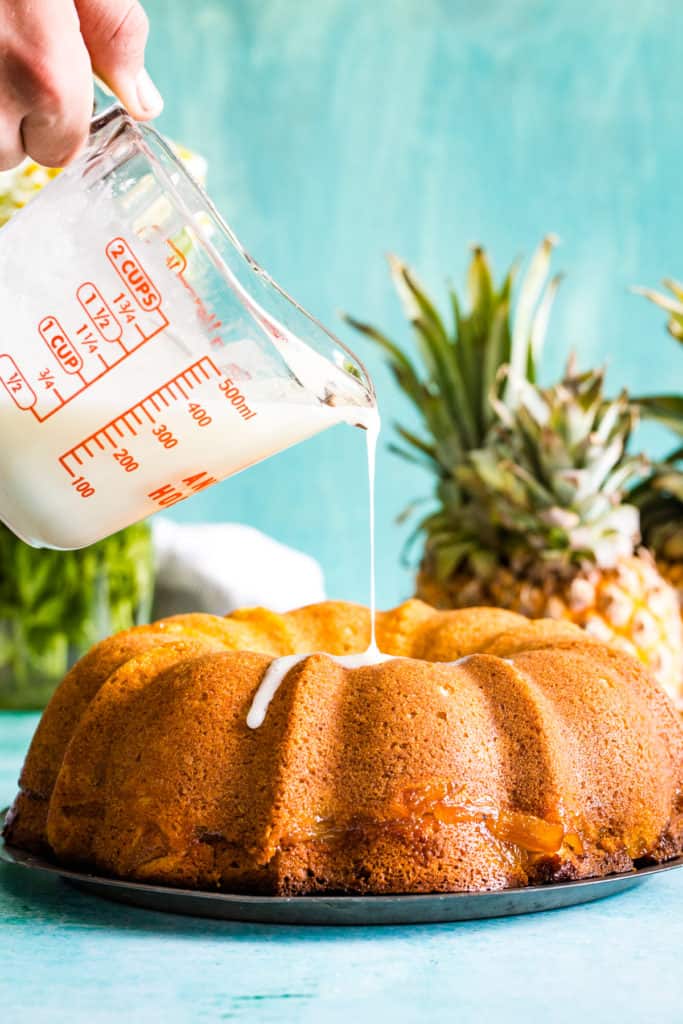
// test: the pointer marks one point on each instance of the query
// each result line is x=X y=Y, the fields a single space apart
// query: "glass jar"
x=54 y=605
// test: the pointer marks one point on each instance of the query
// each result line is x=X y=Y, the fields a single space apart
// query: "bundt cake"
x=492 y=752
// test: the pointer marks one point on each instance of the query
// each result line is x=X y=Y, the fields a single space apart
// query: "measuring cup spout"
x=147 y=355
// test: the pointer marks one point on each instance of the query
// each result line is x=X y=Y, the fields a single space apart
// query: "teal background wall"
x=339 y=129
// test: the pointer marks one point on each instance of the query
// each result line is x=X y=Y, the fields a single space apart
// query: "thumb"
x=115 y=33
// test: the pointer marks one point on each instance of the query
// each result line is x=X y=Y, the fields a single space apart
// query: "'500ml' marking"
x=236 y=398
x=57 y=340
x=128 y=268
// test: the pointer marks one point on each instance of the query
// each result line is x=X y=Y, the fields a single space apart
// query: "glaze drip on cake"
x=544 y=756
x=279 y=668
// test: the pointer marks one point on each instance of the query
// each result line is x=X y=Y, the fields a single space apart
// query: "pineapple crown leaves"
x=659 y=497
x=667 y=410
x=524 y=473
x=548 y=486
x=456 y=372
x=673 y=304
x=568 y=441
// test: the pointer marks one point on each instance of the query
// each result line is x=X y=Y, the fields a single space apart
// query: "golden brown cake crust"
x=493 y=752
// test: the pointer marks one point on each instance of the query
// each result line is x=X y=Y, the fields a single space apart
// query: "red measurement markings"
x=129 y=269
x=88 y=340
x=200 y=367
x=126 y=309
x=126 y=350
x=130 y=421
x=16 y=385
x=233 y=395
x=177 y=261
x=59 y=343
x=170 y=494
x=98 y=311
x=129 y=314
x=47 y=378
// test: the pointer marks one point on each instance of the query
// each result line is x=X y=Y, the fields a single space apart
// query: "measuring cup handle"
x=103 y=98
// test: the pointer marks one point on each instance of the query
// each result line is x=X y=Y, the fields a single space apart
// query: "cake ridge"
x=490 y=751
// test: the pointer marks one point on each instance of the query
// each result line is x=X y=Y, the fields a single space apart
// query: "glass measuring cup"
x=144 y=355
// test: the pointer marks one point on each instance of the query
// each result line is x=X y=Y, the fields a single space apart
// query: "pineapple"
x=20 y=185
x=660 y=501
x=530 y=481
x=660 y=496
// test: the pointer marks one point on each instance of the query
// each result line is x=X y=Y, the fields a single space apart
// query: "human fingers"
x=115 y=33
x=45 y=83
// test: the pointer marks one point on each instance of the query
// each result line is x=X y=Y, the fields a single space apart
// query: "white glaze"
x=280 y=667
x=268 y=687
x=372 y=656
x=458 y=661
x=368 y=418
x=372 y=428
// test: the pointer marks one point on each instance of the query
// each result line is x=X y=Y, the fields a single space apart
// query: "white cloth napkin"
x=217 y=567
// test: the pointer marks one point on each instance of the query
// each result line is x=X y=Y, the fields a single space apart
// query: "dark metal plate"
x=343 y=910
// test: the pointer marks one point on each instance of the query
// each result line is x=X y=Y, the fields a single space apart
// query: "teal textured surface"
x=339 y=130
x=335 y=131
x=71 y=957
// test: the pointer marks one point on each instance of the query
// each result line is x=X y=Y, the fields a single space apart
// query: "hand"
x=48 y=51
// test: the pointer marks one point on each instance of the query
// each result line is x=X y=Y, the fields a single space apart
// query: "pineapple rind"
x=630 y=606
x=531 y=484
